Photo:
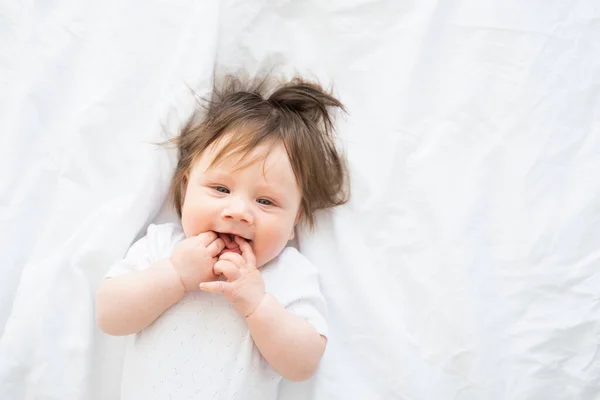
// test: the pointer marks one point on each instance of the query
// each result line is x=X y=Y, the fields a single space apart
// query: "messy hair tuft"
x=297 y=113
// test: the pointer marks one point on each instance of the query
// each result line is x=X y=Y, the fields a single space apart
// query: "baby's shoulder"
x=156 y=243
x=288 y=267
x=289 y=258
x=162 y=238
x=291 y=277
x=165 y=230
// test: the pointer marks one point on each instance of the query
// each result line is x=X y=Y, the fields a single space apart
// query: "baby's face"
x=259 y=202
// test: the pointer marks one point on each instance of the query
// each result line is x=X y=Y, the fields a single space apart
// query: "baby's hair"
x=296 y=113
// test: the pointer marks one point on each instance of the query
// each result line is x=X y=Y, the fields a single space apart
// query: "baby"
x=220 y=306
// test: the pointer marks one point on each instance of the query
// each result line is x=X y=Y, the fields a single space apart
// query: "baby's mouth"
x=226 y=250
x=230 y=243
x=230 y=237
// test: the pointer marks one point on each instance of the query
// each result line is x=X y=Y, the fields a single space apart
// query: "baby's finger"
x=228 y=269
x=235 y=258
x=247 y=252
x=218 y=287
x=215 y=247
x=227 y=239
x=206 y=238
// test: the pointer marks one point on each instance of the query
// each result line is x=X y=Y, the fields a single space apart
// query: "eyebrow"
x=216 y=171
x=271 y=189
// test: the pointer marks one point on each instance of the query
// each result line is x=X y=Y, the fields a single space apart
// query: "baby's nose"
x=237 y=210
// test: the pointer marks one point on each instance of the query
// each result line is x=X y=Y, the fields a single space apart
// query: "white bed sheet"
x=466 y=265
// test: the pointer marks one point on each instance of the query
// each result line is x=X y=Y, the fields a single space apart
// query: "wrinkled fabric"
x=464 y=267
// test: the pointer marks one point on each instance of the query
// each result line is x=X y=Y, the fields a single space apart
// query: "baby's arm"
x=128 y=303
x=288 y=342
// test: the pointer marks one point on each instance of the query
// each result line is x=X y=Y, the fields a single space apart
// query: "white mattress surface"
x=466 y=265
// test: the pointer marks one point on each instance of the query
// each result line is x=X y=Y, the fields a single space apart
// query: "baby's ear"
x=183 y=187
x=299 y=216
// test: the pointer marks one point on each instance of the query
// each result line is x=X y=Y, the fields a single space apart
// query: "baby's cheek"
x=193 y=222
x=273 y=243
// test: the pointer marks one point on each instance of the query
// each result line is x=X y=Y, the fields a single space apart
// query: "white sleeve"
x=295 y=283
x=157 y=244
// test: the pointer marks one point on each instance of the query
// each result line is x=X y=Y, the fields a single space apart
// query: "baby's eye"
x=264 y=202
x=221 y=189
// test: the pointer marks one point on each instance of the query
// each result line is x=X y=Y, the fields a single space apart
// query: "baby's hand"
x=194 y=258
x=245 y=287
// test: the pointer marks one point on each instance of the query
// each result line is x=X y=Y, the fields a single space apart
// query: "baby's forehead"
x=270 y=159
x=245 y=145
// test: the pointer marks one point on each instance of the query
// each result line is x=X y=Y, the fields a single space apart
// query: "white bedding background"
x=465 y=266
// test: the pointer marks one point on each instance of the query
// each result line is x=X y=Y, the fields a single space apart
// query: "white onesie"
x=200 y=348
